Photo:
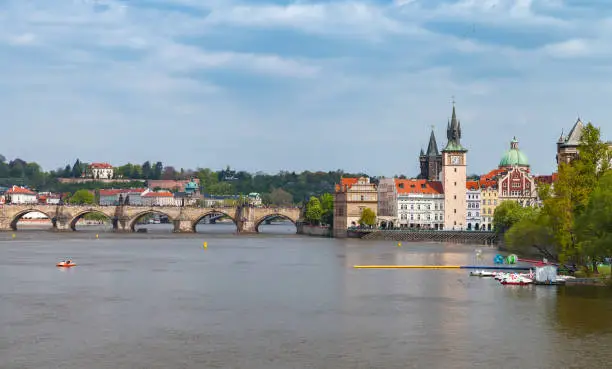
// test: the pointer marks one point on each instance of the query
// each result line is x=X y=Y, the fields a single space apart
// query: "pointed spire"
x=422 y=152
x=432 y=148
x=453 y=133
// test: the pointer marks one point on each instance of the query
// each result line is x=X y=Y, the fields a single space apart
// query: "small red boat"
x=65 y=264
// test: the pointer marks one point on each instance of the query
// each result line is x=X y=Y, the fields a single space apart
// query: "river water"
x=282 y=301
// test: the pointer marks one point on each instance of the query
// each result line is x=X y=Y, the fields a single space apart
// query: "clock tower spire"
x=454 y=173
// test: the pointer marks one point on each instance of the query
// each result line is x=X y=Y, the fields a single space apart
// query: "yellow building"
x=489 y=196
x=352 y=196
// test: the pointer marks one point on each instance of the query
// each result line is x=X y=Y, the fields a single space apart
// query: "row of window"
x=475 y=197
x=422 y=207
x=422 y=217
x=476 y=214
x=488 y=202
x=472 y=205
x=517 y=193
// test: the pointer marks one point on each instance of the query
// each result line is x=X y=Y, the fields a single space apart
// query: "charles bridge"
x=125 y=217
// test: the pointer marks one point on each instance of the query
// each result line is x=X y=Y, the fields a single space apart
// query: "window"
x=455 y=183
x=455 y=170
x=455 y=197
x=455 y=211
x=362 y=197
x=494 y=202
x=469 y=214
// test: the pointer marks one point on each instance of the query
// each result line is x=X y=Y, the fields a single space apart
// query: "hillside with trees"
x=282 y=188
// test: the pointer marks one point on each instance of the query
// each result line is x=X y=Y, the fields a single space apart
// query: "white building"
x=420 y=203
x=101 y=171
x=111 y=197
x=21 y=195
x=473 y=219
x=254 y=199
x=159 y=198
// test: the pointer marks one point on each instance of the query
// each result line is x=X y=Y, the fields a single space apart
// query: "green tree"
x=82 y=197
x=594 y=225
x=146 y=170
x=327 y=205
x=507 y=214
x=77 y=169
x=532 y=232
x=313 y=211
x=368 y=217
x=157 y=171
x=280 y=197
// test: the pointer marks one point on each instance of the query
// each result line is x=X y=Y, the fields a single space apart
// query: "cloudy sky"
x=320 y=85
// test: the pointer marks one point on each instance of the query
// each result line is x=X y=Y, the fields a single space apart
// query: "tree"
x=77 y=169
x=146 y=170
x=594 y=225
x=168 y=173
x=327 y=205
x=313 y=211
x=368 y=217
x=280 y=197
x=82 y=197
x=157 y=171
x=507 y=214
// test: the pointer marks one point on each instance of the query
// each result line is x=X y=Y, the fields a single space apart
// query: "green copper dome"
x=514 y=156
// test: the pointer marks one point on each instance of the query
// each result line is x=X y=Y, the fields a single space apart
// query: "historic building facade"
x=351 y=197
x=454 y=172
x=567 y=146
x=516 y=182
x=489 y=196
x=420 y=204
x=430 y=161
x=474 y=217
x=387 y=198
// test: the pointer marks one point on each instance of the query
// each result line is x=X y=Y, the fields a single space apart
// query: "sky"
x=269 y=85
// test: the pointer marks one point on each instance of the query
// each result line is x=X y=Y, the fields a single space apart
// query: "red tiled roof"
x=109 y=192
x=422 y=186
x=346 y=183
x=159 y=194
x=492 y=174
x=20 y=190
x=472 y=185
x=100 y=165
x=549 y=179
x=487 y=184
x=113 y=192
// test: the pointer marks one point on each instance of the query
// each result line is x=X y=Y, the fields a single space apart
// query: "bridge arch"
x=199 y=218
x=21 y=213
x=81 y=214
x=134 y=219
x=272 y=216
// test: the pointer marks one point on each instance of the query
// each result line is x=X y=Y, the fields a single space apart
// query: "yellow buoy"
x=205 y=244
x=97 y=236
x=14 y=235
x=399 y=244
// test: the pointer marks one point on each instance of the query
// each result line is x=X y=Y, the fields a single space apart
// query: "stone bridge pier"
x=125 y=217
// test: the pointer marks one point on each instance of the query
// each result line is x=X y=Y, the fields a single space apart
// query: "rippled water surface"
x=279 y=301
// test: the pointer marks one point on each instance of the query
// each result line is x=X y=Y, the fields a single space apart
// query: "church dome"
x=514 y=156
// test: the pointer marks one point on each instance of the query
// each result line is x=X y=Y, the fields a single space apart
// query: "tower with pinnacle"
x=454 y=173
x=431 y=161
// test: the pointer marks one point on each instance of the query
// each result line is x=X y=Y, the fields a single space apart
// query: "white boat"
x=516 y=279
x=482 y=273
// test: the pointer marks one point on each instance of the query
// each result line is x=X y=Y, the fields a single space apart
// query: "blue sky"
x=265 y=85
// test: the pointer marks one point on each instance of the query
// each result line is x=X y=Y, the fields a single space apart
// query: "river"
x=158 y=300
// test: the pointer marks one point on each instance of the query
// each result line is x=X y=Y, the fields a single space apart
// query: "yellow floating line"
x=406 y=266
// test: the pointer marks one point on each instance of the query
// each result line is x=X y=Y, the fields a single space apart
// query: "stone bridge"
x=125 y=217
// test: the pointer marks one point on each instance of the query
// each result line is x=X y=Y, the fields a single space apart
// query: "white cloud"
x=146 y=81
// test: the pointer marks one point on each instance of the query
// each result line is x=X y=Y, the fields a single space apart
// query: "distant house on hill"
x=100 y=171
